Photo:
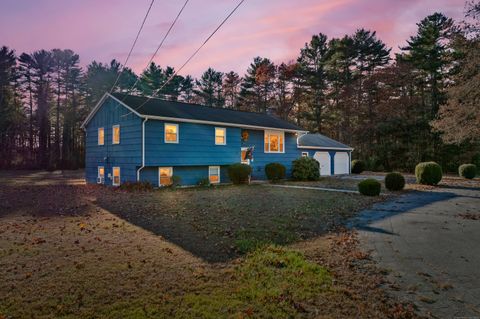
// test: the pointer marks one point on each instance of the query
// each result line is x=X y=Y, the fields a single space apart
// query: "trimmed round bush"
x=428 y=173
x=358 y=166
x=369 y=187
x=394 y=181
x=305 y=169
x=239 y=173
x=467 y=171
x=275 y=171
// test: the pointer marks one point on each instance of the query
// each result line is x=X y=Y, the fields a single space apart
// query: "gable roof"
x=195 y=113
x=320 y=141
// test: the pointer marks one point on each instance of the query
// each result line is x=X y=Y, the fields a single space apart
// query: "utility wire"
x=158 y=48
x=133 y=46
x=193 y=55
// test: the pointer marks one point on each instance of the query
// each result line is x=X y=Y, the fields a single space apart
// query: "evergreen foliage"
x=369 y=187
x=239 y=173
x=394 y=181
x=428 y=173
x=468 y=171
x=305 y=169
x=275 y=171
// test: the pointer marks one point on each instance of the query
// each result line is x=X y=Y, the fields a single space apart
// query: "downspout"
x=143 y=149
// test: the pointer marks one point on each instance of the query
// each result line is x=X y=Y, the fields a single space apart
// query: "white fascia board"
x=254 y=127
x=326 y=148
x=99 y=104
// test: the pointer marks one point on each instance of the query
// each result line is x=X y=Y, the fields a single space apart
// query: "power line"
x=158 y=48
x=193 y=55
x=133 y=46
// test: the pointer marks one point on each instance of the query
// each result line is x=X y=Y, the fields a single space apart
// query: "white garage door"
x=324 y=159
x=341 y=162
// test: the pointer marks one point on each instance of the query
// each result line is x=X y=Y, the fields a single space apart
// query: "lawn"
x=77 y=251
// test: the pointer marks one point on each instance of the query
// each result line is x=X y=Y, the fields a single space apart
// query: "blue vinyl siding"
x=189 y=175
x=126 y=155
x=196 y=145
x=260 y=158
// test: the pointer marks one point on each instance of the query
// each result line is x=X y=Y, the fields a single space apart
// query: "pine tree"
x=258 y=85
x=209 y=88
x=231 y=89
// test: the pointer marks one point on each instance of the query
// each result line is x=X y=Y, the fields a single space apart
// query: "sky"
x=102 y=30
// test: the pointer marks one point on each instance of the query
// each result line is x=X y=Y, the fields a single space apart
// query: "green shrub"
x=176 y=181
x=467 y=171
x=239 y=173
x=275 y=171
x=394 y=181
x=369 y=187
x=305 y=169
x=136 y=186
x=358 y=166
x=204 y=182
x=428 y=173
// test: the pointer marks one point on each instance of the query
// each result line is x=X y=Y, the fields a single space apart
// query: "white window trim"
x=214 y=167
x=99 y=176
x=304 y=154
x=274 y=132
x=171 y=174
x=224 y=135
x=165 y=133
x=98 y=136
x=119 y=176
x=113 y=134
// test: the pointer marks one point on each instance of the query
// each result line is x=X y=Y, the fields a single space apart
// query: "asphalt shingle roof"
x=319 y=140
x=163 y=108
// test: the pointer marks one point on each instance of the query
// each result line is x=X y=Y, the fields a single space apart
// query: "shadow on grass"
x=225 y=222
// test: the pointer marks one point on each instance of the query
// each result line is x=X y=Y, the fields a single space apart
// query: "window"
x=116 y=176
x=214 y=174
x=220 y=136
x=116 y=134
x=165 y=176
x=171 y=133
x=244 y=159
x=274 y=141
x=101 y=136
x=101 y=175
x=304 y=154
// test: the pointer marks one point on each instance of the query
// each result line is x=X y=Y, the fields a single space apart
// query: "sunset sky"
x=103 y=30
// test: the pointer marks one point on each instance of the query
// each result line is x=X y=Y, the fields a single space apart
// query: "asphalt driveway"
x=429 y=245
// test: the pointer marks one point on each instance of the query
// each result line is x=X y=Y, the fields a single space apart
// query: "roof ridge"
x=197 y=104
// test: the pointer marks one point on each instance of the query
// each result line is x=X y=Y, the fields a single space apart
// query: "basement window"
x=214 y=174
x=165 y=176
x=116 y=176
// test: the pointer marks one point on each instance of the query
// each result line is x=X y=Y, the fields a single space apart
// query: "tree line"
x=420 y=104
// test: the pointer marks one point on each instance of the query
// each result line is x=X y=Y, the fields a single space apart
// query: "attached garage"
x=323 y=158
x=341 y=163
x=333 y=156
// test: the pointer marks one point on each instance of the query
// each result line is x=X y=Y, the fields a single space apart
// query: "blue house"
x=131 y=138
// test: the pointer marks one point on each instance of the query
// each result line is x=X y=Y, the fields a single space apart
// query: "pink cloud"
x=103 y=30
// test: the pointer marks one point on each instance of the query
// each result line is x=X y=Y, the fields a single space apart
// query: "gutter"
x=143 y=149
